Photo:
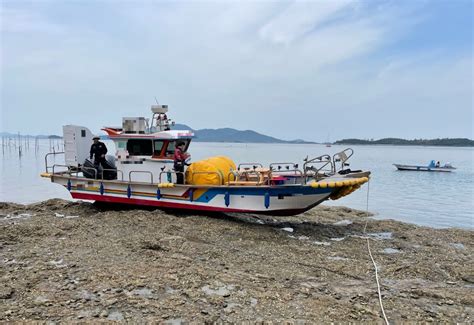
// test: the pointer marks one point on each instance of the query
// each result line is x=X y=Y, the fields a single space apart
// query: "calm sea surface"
x=430 y=199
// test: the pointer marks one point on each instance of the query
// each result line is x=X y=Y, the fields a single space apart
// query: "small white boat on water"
x=432 y=167
x=141 y=173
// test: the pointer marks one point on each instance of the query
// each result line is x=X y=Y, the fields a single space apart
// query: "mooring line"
x=372 y=258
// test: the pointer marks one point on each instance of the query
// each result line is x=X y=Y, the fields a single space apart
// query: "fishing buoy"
x=347 y=182
x=163 y=185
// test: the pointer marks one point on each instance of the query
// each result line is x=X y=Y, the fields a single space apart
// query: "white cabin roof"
x=163 y=135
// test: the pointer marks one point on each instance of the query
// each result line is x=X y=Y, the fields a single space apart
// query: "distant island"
x=41 y=136
x=203 y=135
x=445 y=142
x=233 y=135
x=249 y=136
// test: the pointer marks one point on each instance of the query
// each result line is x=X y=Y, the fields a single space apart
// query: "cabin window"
x=140 y=147
x=83 y=133
x=157 y=146
x=170 y=148
x=121 y=144
x=172 y=145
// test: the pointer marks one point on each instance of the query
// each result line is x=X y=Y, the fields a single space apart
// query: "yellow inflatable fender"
x=211 y=171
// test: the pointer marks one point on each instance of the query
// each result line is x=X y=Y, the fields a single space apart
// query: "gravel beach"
x=76 y=261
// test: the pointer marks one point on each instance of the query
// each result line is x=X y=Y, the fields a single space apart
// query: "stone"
x=104 y=313
x=6 y=292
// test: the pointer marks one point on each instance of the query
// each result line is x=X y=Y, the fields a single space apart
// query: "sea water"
x=424 y=198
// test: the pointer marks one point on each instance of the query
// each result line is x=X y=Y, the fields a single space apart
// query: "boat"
x=431 y=167
x=141 y=173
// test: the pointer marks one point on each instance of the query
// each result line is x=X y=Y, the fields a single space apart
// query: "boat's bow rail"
x=318 y=167
x=341 y=158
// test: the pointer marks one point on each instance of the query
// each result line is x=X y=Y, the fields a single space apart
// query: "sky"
x=312 y=70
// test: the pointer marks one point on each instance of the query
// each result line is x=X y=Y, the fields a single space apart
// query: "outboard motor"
x=109 y=171
x=90 y=170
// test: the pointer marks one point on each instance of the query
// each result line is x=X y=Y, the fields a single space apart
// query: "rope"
x=372 y=258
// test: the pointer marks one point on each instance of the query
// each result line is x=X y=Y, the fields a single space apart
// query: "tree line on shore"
x=447 y=142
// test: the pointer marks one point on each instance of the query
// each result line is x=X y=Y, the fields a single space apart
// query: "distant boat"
x=432 y=167
x=328 y=143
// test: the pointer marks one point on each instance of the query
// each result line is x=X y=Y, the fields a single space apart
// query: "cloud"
x=24 y=21
x=300 y=18
x=296 y=64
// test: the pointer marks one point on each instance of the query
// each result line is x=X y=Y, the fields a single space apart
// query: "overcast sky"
x=309 y=70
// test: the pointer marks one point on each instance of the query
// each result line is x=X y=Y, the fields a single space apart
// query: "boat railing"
x=91 y=169
x=207 y=173
x=342 y=157
x=46 y=159
x=251 y=177
x=55 y=166
x=316 y=167
x=140 y=172
x=249 y=166
x=279 y=165
x=298 y=174
x=112 y=170
x=169 y=172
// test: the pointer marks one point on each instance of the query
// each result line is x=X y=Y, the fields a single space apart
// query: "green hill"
x=445 y=142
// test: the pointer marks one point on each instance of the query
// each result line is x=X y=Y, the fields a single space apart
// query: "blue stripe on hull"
x=272 y=192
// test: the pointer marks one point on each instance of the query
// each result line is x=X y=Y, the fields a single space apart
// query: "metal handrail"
x=90 y=168
x=234 y=173
x=113 y=170
x=170 y=172
x=297 y=172
x=253 y=165
x=323 y=159
x=140 y=171
x=259 y=175
x=342 y=157
x=46 y=158
x=59 y=165
x=282 y=164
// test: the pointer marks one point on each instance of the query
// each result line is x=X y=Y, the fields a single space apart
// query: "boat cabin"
x=144 y=151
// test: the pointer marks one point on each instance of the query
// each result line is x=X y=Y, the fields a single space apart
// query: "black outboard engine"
x=91 y=170
x=110 y=170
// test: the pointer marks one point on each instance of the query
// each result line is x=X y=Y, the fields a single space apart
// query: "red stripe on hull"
x=181 y=206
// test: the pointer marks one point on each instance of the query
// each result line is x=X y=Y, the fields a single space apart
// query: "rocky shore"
x=75 y=261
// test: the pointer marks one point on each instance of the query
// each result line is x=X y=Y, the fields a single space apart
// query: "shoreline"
x=69 y=261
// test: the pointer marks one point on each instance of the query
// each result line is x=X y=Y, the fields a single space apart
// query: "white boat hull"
x=274 y=200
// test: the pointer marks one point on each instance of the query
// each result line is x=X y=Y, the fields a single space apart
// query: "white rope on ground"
x=372 y=258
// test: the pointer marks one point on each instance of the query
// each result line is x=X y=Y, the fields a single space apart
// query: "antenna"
x=156 y=100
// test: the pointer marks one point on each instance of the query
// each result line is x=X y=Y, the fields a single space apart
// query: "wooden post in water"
x=19 y=144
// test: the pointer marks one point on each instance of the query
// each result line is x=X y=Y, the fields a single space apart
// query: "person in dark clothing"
x=180 y=157
x=98 y=151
